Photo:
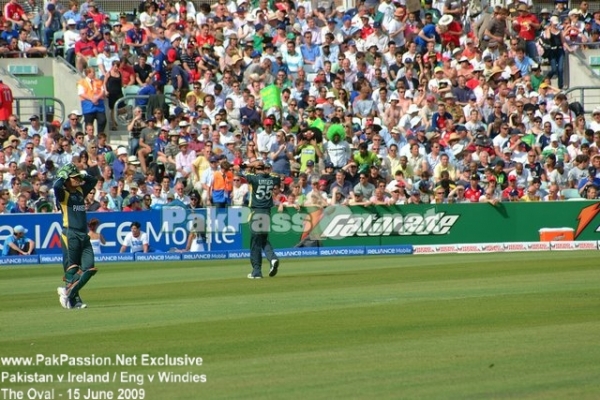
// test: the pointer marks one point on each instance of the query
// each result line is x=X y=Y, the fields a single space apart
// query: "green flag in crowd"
x=271 y=97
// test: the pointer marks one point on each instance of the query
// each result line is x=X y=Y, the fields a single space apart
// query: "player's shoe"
x=62 y=297
x=79 y=302
x=250 y=276
x=274 y=267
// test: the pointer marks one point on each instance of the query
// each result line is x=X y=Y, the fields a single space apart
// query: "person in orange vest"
x=219 y=194
x=92 y=94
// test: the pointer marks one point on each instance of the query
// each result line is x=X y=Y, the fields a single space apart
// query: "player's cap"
x=20 y=229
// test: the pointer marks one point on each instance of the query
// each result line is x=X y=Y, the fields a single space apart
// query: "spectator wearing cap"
x=84 y=49
x=574 y=148
x=184 y=159
x=377 y=38
x=137 y=37
x=526 y=24
x=512 y=190
x=466 y=70
x=18 y=244
x=473 y=192
x=36 y=127
x=115 y=200
x=590 y=180
x=180 y=80
x=331 y=28
x=120 y=164
x=108 y=54
x=51 y=20
x=415 y=197
x=557 y=148
x=348 y=29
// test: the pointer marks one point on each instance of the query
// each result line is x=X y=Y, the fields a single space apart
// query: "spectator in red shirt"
x=94 y=14
x=6 y=102
x=127 y=73
x=367 y=29
x=134 y=205
x=526 y=25
x=204 y=37
x=84 y=50
x=137 y=37
x=14 y=13
x=474 y=191
x=452 y=35
x=511 y=189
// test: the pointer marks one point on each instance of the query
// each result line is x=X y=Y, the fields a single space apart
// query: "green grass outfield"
x=483 y=326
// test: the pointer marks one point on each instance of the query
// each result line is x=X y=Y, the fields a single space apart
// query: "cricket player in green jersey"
x=70 y=190
x=261 y=186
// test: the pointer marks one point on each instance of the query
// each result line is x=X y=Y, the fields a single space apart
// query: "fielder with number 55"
x=71 y=189
x=261 y=186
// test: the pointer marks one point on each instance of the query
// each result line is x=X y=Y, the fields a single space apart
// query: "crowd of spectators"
x=379 y=105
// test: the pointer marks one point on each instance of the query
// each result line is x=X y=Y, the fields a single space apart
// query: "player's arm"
x=191 y=238
x=89 y=183
x=31 y=246
x=16 y=248
x=59 y=184
x=126 y=243
x=145 y=245
x=256 y=163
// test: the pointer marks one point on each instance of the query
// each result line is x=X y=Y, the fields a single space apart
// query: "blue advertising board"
x=166 y=229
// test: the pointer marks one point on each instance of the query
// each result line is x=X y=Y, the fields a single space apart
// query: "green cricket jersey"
x=261 y=189
x=72 y=204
